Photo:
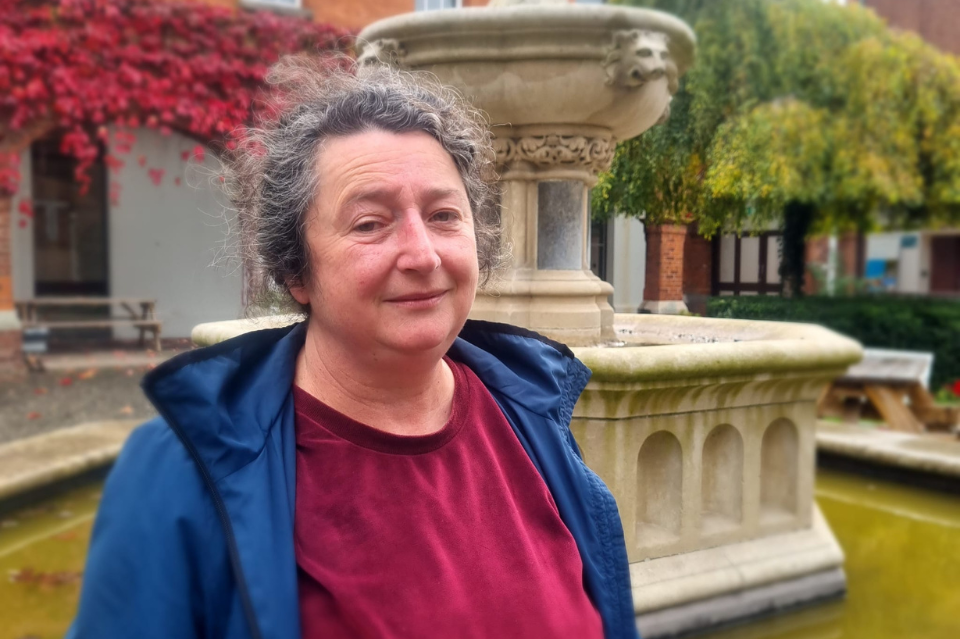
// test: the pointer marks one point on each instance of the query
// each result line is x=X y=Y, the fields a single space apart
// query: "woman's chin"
x=421 y=342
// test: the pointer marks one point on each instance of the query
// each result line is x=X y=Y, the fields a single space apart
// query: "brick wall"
x=937 y=21
x=817 y=251
x=348 y=14
x=664 y=277
x=697 y=263
x=6 y=281
x=697 y=270
x=11 y=357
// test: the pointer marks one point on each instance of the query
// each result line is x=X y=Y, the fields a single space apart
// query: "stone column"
x=11 y=357
x=663 y=291
x=548 y=287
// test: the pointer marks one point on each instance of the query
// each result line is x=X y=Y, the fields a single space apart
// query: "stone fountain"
x=561 y=84
x=703 y=429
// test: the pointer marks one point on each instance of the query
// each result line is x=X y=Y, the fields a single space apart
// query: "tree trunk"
x=797 y=219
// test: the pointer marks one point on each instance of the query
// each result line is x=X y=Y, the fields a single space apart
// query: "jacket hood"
x=225 y=398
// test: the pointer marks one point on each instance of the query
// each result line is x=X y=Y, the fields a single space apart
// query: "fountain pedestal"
x=546 y=175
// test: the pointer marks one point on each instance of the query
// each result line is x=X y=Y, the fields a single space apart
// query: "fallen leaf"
x=40 y=391
x=33 y=415
x=90 y=373
x=31 y=576
x=126 y=410
x=66 y=381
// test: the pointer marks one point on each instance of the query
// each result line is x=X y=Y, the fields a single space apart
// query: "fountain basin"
x=557 y=65
x=704 y=430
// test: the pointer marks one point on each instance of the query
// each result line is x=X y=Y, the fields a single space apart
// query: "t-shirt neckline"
x=321 y=415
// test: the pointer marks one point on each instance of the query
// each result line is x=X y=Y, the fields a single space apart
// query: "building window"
x=748 y=265
x=598 y=249
x=433 y=5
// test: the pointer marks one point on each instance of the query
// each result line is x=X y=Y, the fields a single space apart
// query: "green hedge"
x=907 y=323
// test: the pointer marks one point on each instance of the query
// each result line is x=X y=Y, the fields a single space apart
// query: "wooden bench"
x=141 y=314
x=890 y=386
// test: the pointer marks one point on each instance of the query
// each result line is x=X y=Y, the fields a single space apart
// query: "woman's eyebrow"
x=385 y=194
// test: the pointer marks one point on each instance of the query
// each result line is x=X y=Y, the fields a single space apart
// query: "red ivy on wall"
x=82 y=65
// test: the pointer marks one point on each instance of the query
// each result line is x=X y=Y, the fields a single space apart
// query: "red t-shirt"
x=452 y=534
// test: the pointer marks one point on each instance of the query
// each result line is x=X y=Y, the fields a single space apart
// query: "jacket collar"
x=227 y=397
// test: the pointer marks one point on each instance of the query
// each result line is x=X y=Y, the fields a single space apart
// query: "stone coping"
x=924 y=453
x=698 y=348
x=686 y=347
x=36 y=462
x=521 y=20
x=215 y=332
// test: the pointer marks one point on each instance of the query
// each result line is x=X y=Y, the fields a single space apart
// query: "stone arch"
x=659 y=489
x=721 y=491
x=779 y=468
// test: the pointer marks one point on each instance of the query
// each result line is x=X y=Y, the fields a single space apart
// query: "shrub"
x=888 y=321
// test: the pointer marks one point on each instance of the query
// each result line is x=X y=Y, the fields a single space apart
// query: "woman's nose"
x=416 y=244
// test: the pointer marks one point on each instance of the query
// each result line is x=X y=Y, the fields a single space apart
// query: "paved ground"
x=48 y=401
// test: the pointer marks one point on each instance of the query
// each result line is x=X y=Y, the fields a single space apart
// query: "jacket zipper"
x=222 y=514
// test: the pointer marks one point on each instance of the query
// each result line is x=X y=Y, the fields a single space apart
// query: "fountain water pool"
x=900 y=544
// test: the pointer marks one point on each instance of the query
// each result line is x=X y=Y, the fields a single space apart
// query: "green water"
x=902 y=545
x=42 y=550
x=903 y=566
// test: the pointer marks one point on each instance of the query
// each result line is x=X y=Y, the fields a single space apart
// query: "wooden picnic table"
x=140 y=314
x=890 y=386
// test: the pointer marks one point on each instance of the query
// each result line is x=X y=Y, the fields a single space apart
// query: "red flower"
x=956 y=388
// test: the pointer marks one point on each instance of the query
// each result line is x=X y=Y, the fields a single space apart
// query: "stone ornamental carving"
x=637 y=57
x=385 y=51
x=557 y=151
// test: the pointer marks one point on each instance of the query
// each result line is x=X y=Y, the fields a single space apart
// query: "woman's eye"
x=444 y=216
x=366 y=227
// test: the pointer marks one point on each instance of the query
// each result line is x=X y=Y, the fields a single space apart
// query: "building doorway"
x=70 y=250
x=70 y=228
x=945 y=264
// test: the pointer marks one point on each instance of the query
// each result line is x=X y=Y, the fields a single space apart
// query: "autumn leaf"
x=90 y=373
x=66 y=381
x=33 y=415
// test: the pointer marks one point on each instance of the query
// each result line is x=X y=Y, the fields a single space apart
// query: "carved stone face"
x=638 y=57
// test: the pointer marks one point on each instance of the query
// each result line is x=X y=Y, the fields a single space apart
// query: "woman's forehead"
x=377 y=166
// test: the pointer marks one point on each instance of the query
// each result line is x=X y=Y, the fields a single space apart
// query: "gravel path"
x=47 y=401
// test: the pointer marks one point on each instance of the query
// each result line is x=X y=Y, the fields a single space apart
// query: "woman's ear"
x=298 y=290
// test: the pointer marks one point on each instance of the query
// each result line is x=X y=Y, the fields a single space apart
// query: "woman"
x=385 y=468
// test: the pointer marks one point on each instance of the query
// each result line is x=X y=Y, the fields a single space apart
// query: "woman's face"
x=391 y=246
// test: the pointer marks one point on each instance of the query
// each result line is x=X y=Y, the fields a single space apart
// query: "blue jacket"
x=194 y=536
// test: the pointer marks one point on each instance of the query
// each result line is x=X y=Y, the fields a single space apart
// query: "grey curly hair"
x=271 y=177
